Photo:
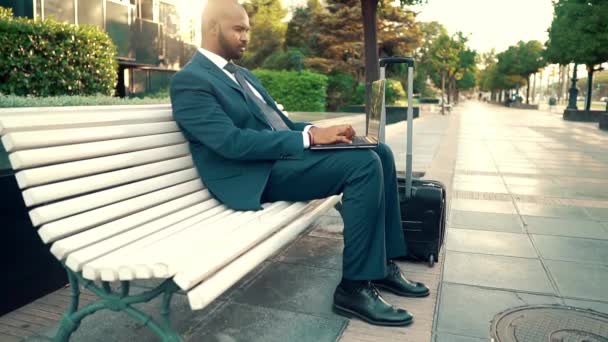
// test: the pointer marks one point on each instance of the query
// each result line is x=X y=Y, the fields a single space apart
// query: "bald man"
x=248 y=152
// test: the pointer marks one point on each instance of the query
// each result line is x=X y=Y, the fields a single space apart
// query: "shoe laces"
x=394 y=269
x=371 y=289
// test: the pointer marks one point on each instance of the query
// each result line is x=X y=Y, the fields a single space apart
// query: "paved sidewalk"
x=529 y=218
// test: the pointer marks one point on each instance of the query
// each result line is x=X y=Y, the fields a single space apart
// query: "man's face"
x=233 y=35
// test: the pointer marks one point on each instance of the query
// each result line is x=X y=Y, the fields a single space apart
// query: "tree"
x=303 y=28
x=444 y=60
x=268 y=30
x=530 y=55
x=340 y=40
x=572 y=39
x=429 y=32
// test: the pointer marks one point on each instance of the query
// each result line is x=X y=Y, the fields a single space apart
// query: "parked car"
x=604 y=99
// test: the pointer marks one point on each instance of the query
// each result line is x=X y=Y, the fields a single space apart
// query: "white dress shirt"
x=221 y=63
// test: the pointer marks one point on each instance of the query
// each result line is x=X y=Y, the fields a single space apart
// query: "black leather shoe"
x=396 y=283
x=366 y=303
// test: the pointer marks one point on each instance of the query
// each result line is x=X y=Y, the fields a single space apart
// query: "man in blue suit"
x=248 y=152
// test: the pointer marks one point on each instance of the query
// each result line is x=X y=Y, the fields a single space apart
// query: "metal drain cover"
x=550 y=323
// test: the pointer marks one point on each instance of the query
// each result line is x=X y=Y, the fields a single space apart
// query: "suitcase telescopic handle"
x=397 y=60
x=409 y=159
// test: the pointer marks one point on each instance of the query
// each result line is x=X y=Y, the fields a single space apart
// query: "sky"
x=489 y=23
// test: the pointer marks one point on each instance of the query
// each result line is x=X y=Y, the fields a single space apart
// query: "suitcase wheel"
x=431 y=260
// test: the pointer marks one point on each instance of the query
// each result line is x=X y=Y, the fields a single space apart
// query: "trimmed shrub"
x=48 y=58
x=304 y=92
x=12 y=101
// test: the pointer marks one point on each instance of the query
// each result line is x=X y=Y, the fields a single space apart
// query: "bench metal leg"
x=108 y=299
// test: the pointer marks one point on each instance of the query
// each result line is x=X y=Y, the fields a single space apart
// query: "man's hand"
x=332 y=135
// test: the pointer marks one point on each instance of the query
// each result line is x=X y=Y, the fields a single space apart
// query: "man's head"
x=225 y=28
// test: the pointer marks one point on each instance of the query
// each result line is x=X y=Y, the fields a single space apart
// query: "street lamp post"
x=573 y=91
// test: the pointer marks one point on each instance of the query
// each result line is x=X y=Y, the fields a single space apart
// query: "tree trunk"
x=534 y=88
x=590 y=71
x=443 y=92
x=559 y=84
x=528 y=89
x=372 y=70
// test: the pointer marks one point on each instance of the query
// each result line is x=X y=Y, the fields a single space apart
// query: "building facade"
x=154 y=38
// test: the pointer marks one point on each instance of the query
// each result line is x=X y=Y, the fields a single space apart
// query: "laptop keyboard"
x=360 y=140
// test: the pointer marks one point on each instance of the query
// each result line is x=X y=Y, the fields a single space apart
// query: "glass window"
x=60 y=10
x=90 y=12
x=117 y=26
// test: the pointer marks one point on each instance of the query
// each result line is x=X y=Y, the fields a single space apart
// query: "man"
x=247 y=152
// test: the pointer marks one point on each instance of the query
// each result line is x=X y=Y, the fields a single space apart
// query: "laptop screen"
x=377 y=102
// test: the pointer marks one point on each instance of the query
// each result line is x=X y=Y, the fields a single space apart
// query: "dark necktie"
x=273 y=118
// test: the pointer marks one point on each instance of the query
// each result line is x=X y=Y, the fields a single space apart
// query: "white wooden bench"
x=115 y=194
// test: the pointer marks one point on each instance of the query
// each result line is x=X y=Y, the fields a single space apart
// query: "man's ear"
x=213 y=26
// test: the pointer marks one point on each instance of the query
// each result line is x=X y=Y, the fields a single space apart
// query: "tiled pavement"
x=528 y=224
x=529 y=218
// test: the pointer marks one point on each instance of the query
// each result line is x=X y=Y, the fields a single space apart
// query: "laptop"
x=373 y=123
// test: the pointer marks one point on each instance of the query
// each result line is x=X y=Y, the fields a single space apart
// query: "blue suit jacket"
x=233 y=146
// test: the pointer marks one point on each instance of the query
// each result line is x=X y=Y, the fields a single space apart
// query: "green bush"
x=293 y=59
x=48 y=58
x=394 y=93
x=12 y=101
x=303 y=91
x=339 y=91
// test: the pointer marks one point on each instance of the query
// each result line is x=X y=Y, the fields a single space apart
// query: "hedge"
x=48 y=58
x=305 y=91
x=11 y=101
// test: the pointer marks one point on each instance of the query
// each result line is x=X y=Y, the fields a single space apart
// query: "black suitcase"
x=422 y=202
x=423 y=217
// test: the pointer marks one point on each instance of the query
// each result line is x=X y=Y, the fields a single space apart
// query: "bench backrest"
x=110 y=169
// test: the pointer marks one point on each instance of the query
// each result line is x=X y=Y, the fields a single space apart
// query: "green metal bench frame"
x=117 y=301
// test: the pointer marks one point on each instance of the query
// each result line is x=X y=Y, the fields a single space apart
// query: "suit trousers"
x=370 y=205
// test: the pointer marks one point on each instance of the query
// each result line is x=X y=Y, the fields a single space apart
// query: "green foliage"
x=340 y=91
x=467 y=81
x=340 y=38
x=394 y=92
x=293 y=59
x=267 y=30
x=48 y=58
x=303 y=91
x=578 y=32
x=13 y=101
x=303 y=29
x=6 y=13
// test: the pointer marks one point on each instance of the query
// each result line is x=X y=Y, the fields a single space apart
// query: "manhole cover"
x=550 y=323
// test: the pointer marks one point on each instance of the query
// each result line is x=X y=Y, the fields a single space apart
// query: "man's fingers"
x=343 y=139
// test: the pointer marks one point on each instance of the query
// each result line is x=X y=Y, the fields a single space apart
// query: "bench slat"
x=77 y=259
x=69 y=244
x=35 y=122
x=78 y=223
x=38 y=139
x=49 y=174
x=231 y=247
x=201 y=236
x=83 y=185
x=52 y=155
x=117 y=265
x=173 y=264
x=84 y=203
x=203 y=294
